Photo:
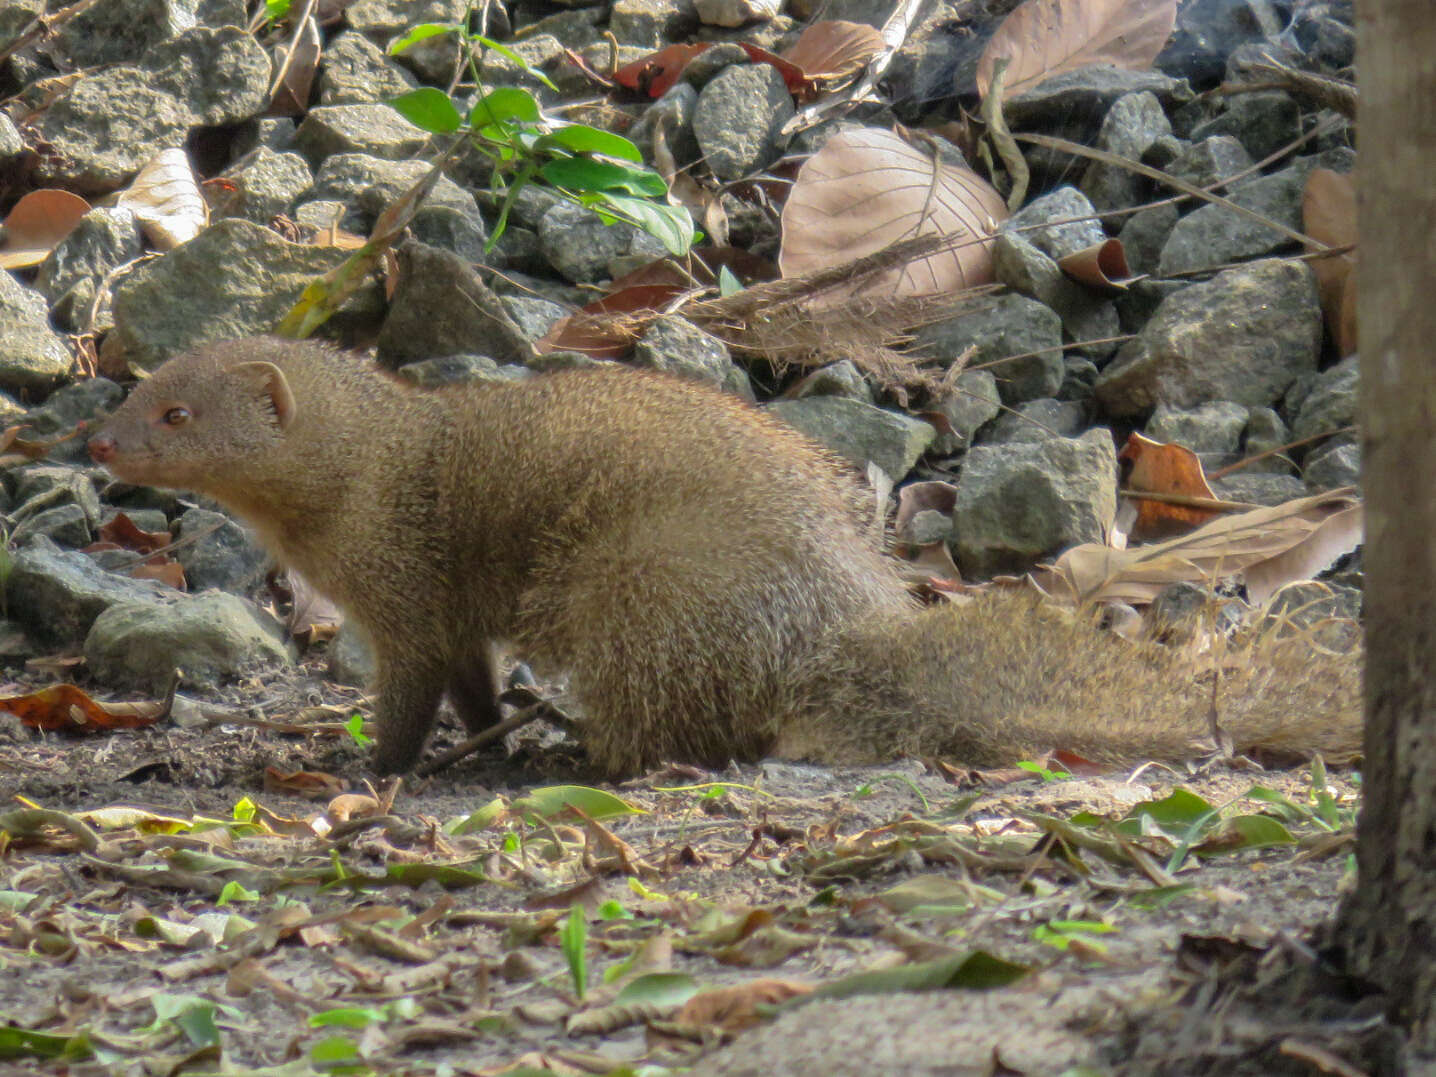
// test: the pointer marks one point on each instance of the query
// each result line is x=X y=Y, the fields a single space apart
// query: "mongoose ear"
x=269 y=379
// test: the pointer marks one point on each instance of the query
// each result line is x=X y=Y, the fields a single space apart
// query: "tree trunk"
x=1387 y=928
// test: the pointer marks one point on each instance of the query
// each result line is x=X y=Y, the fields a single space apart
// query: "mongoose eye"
x=176 y=417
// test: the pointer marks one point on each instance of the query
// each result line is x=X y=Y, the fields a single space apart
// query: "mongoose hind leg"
x=474 y=688
x=410 y=686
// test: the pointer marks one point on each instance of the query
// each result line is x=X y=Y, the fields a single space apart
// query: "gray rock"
x=265 y=184
x=1007 y=325
x=651 y=24
x=973 y=403
x=209 y=637
x=67 y=407
x=707 y=65
x=119 y=31
x=41 y=487
x=675 y=344
x=354 y=70
x=859 y=432
x=842 y=378
x=459 y=369
x=1164 y=150
x=217 y=552
x=549 y=362
x=1258 y=487
x=739 y=117
x=1211 y=161
x=371 y=129
x=1328 y=468
x=735 y=13
x=1244 y=336
x=273 y=132
x=1037 y=420
x=540 y=53
x=1266 y=431
x=1138 y=303
x=581 y=247
x=443 y=307
x=71 y=275
x=1132 y=124
x=1214 y=427
x=1263 y=122
x=234 y=279
x=1207 y=32
x=1088 y=91
x=1022 y=501
x=1331 y=402
x=57 y=594
x=33 y=357
x=106 y=126
x=1213 y=235
x=449 y=228
x=534 y=316
x=673 y=112
x=1086 y=315
x=64 y=525
x=221 y=75
x=433 y=60
x=1145 y=234
x=1057 y=240
x=369 y=185
x=351 y=661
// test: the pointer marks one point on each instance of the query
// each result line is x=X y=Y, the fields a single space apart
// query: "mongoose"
x=705 y=574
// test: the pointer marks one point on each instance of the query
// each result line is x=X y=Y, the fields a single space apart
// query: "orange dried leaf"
x=36 y=223
x=65 y=708
x=1102 y=265
x=658 y=72
x=1042 y=38
x=1160 y=468
x=314 y=784
x=121 y=530
x=601 y=328
x=1328 y=214
x=867 y=189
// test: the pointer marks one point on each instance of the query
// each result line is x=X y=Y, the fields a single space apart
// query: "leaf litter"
x=503 y=916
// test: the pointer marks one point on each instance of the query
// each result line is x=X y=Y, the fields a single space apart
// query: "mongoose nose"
x=102 y=448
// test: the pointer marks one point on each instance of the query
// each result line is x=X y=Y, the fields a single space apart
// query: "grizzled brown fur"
x=702 y=572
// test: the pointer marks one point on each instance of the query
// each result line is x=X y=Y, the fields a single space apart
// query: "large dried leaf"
x=1224 y=547
x=1165 y=468
x=826 y=53
x=166 y=200
x=36 y=223
x=867 y=189
x=1042 y=38
x=1328 y=215
x=1334 y=537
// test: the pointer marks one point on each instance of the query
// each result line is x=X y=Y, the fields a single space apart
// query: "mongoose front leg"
x=409 y=694
x=474 y=689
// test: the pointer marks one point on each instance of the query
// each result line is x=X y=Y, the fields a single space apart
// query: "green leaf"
x=234 y=891
x=514 y=58
x=587 y=174
x=503 y=106
x=482 y=819
x=1251 y=832
x=275 y=10
x=978 y=970
x=428 y=109
x=422 y=32
x=595 y=803
x=581 y=138
x=354 y=726
x=658 y=989
x=333 y=1049
x=670 y=225
x=25 y=1043
x=926 y=891
x=348 y=1017
x=727 y=283
x=197 y=1023
x=573 y=940
x=1179 y=810
x=1159 y=896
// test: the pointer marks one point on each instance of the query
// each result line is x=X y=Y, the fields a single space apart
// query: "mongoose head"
x=196 y=421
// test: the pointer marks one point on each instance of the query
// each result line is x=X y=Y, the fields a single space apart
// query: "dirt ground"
x=170 y=904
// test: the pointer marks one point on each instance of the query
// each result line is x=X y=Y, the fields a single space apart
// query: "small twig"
x=1190 y=501
x=542 y=709
x=1221 y=472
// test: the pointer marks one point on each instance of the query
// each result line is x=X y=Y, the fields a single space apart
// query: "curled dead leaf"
x=733 y=1009
x=65 y=708
x=36 y=223
x=1165 y=468
x=1042 y=38
x=166 y=200
x=868 y=188
x=1102 y=265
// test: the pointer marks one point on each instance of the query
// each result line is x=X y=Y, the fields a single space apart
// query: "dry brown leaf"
x=1221 y=548
x=65 y=708
x=658 y=72
x=166 y=200
x=866 y=189
x=1162 y=468
x=36 y=223
x=297 y=62
x=312 y=784
x=827 y=53
x=735 y=1008
x=1328 y=215
x=1333 y=538
x=1042 y=38
x=1102 y=265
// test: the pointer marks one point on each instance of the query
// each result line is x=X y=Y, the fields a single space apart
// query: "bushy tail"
x=1007 y=678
